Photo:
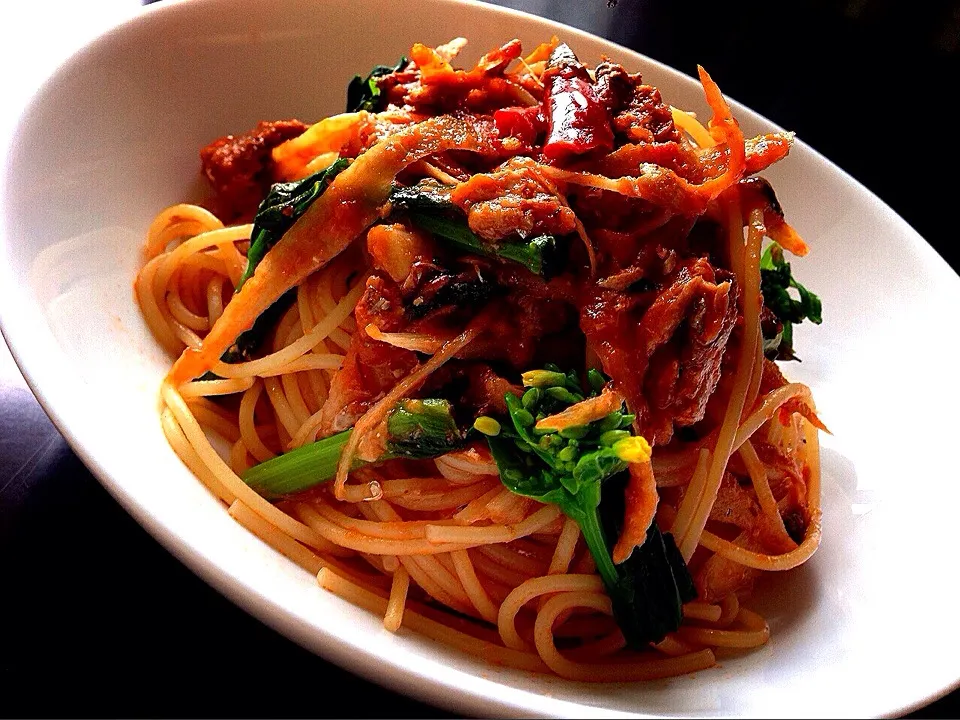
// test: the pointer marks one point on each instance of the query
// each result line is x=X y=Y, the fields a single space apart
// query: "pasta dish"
x=494 y=354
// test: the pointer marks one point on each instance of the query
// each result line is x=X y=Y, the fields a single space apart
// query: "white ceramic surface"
x=865 y=628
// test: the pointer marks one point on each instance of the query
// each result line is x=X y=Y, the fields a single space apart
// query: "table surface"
x=99 y=620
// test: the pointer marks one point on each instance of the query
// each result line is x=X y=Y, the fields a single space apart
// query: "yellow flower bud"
x=543 y=378
x=487 y=426
x=634 y=449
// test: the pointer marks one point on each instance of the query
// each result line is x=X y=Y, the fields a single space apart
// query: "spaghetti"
x=653 y=240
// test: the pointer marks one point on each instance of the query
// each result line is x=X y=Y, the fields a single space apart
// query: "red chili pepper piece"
x=578 y=121
x=523 y=123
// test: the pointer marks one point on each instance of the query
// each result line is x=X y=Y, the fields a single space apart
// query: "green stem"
x=584 y=513
x=415 y=429
x=298 y=469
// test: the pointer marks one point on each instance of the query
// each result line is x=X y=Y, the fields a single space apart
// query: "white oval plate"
x=865 y=628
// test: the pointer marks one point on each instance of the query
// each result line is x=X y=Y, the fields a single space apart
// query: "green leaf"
x=534 y=254
x=249 y=341
x=653 y=583
x=429 y=207
x=363 y=92
x=810 y=305
x=281 y=208
x=426 y=196
x=776 y=280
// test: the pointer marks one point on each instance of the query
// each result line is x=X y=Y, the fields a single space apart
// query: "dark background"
x=99 y=620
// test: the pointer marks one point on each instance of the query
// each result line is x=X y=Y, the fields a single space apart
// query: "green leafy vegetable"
x=415 y=429
x=422 y=429
x=654 y=581
x=533 y=254
x=775 y=281
x=468 y=289
x=429 y=207
x=249 y=341
x=281 y=208
x=426 y=196
x=363 y=93
x=298 y=469
x=569 y=468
